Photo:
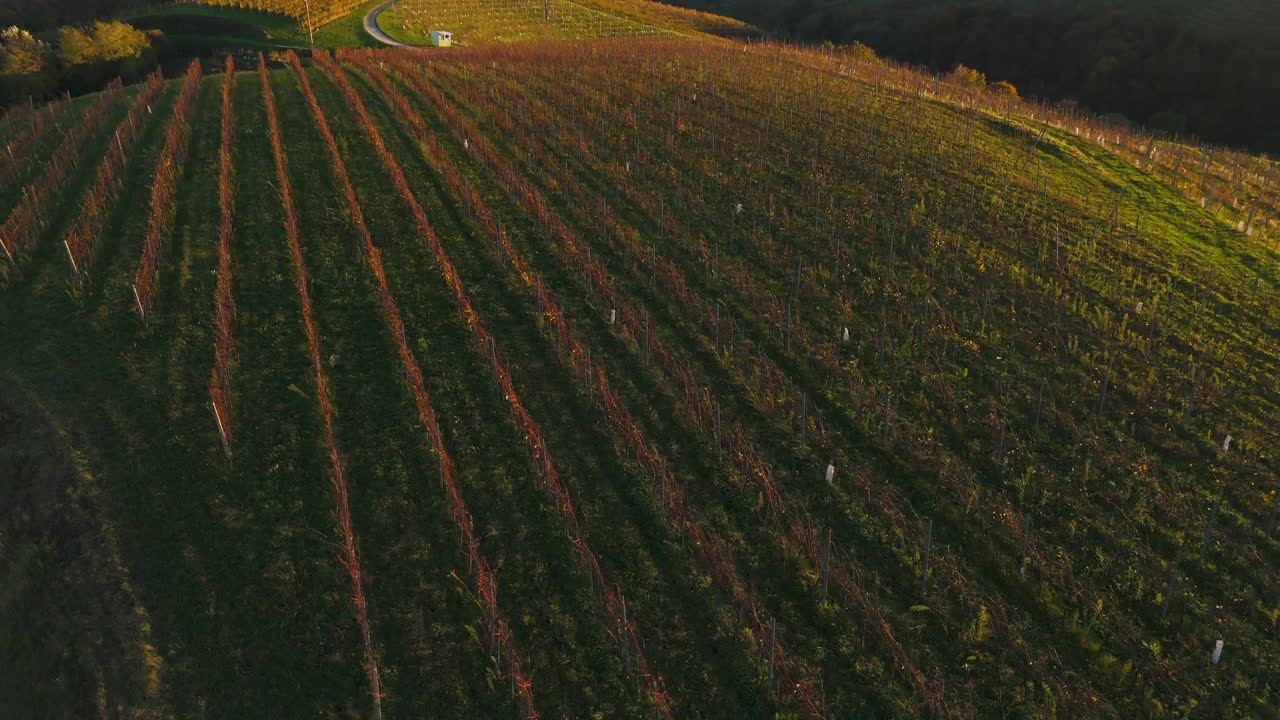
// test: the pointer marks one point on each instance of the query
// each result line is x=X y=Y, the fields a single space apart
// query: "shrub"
x=1004 y=87
x=860 y=51
x=967 y=76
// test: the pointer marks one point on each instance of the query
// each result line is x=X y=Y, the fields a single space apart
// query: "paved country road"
x=371 y=25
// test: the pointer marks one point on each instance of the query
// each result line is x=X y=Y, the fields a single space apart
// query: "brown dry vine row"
x=21 y=230
x=773 y=376
x=824 y=357
x=798 y=682
x=485 y=578
x=20 y=148
x=177 y=135
x=224 y=308
x=80 y=238
x=486 y=345
x=350 y=558
x=699 y=400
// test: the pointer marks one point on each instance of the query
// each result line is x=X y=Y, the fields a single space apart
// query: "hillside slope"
x=663 y=378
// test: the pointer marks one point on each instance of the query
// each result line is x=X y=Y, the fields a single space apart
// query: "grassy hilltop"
x=665 y=377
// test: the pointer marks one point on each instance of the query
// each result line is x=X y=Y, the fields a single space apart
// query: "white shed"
x=441 y=38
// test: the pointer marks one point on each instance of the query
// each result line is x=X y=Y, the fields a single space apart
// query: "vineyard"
x=478 y=22
x=663 y=378
x=306 y=12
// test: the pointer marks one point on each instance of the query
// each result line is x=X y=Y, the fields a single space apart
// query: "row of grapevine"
x=811 y=431
x=731 y=268
x=702 y=404
x=485 y=578
x=350 y=557
x=18 y=150
x=795 y=680
x=1104 y=391
x=508 y=103
x=1011 y=515
x=486 y=345
x=675 y=280
x=800 y=684
x=21 y=229
x=711 y=320
x=224 y=308
x=164 y=185
x=81 y=238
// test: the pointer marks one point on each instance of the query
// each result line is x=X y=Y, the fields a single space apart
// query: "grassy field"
x=663 y=378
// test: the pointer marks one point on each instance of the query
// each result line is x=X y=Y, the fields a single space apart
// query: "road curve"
x=371 y=25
